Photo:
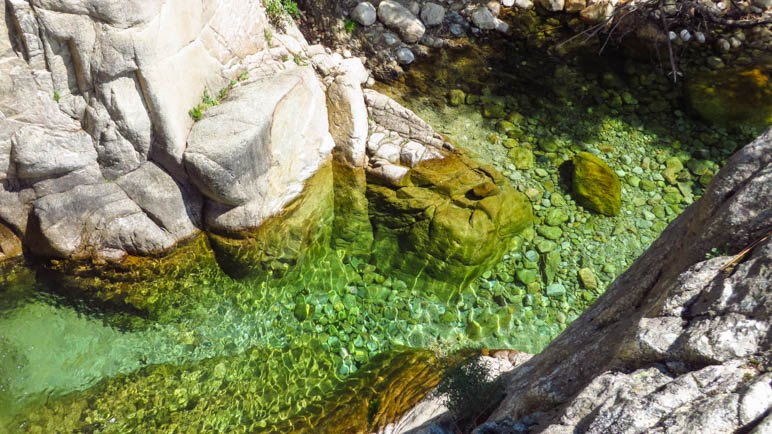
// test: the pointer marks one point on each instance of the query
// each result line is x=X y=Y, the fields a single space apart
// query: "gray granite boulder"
x=400 y=19
x=251 y=154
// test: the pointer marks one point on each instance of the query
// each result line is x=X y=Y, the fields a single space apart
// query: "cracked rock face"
x=678 y=343
x=94 y=123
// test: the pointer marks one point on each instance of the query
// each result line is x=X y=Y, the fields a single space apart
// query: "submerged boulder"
x=450 y=217
x=732 y=97
x=594 y=185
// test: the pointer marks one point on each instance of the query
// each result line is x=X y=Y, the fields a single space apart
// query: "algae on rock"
x=594 y=185
x=451 y=218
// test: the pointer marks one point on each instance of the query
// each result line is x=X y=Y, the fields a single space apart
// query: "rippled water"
x=284 y=354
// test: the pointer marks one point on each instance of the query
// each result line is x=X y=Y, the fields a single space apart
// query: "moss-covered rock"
x=594 y=185
x=450 y=218
x=732 y=97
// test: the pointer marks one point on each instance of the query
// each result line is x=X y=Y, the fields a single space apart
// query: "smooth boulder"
x=400 y=19
x=251 y=154
x=594 y=185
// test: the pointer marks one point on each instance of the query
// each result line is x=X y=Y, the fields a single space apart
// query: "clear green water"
x=257 y=354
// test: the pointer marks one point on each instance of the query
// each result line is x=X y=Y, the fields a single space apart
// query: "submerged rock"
x=732 y=97
x=594 y=185
x=449 y=216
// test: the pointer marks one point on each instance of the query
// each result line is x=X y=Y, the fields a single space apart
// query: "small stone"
x=555 y=217
x=522 y=158
x=405 y=56
x=432 y=14
x=545 y=246
x=456 y=97
x=364 y=13
x=526 y=276
x=553 y=5
x=483 y=18
x=648 y=185
x=549 y=232
x=587 y=277
x=556 y=290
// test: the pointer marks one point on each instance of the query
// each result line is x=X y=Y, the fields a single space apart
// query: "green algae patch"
x=733 y=97
x=145 y=283
x=594 y=185
x=283 y=240
x=351 y=226
x=291 y=390
x=452 y=218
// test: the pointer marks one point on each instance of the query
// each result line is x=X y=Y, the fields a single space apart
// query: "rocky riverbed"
x=233 y=230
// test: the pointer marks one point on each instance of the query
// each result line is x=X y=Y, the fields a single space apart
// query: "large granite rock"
x=251 y=155
x=678 y=343
x=94 y=121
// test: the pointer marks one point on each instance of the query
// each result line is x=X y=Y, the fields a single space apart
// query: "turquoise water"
x=256 y=354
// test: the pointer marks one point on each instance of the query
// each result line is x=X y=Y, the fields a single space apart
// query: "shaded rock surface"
x=678 y=343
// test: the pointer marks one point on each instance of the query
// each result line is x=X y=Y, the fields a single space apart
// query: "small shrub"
x=57 y=96
x=350 y=25
x=280 y=11
x=208 y=101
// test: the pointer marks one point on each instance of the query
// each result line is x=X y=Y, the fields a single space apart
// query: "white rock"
x=400 y=19
x=364 y=13
x=553 y=5
x=252 y=153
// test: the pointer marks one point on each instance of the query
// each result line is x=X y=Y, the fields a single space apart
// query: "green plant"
x=350 y=25
x=208 y=101
x=57 y=96
x=279 y=11
x=268 y=36
x=298 y=60
x=715 y=252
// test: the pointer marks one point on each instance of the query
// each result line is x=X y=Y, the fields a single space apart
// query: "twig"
x=739 y=257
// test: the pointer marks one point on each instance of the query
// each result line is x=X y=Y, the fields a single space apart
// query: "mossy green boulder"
x=450 y=218
x=732 y=97
x=594 y=185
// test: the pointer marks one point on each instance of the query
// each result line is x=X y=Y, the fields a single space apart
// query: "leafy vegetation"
x=350 y=25
x=57 y=96
x=208 y=101
x=280 y=11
